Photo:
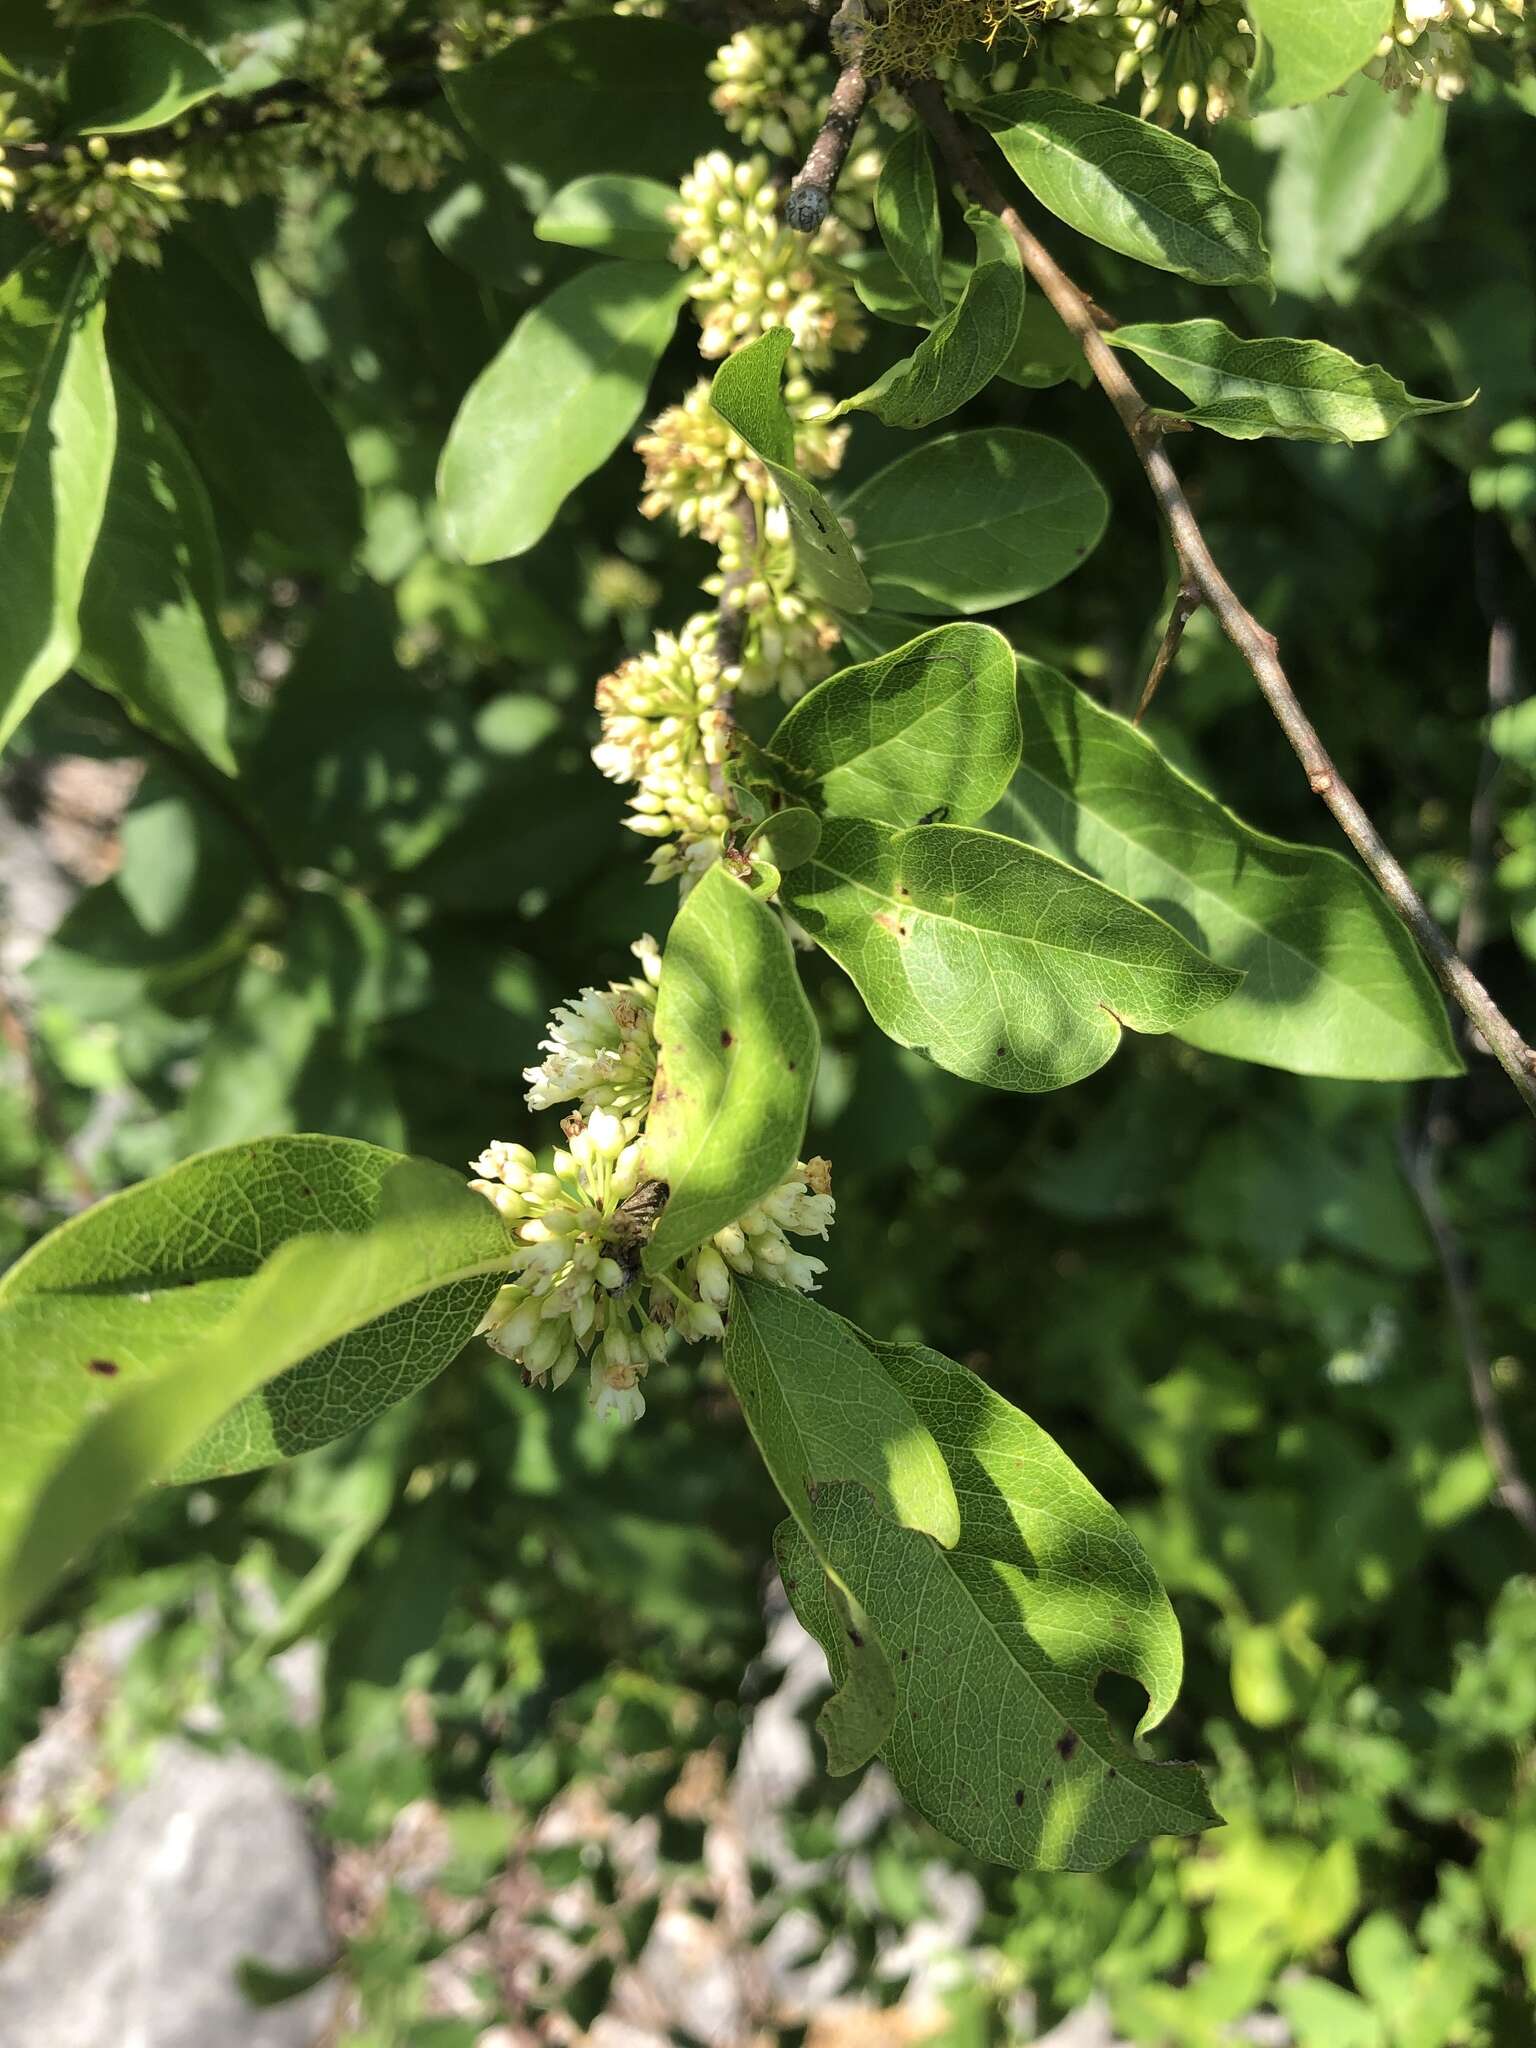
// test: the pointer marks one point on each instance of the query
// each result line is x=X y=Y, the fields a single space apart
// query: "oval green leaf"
x=605 y=93
x=1045 y=1590
x=269 y=448
x=745 y=393
x=57 y=424
x=1294 y=390
x=129 y=71
x=736 y=1050
x=991 y=959
x=822 y=1411
x=1307 y=48
x=931 y=727
x=972 y=521
x=248 y=1304
x=1131 y=186
x=612 y=215
x=1332 y=984
x=149 y=618
x=553 y=405
x=907 y=215
x=965 y=351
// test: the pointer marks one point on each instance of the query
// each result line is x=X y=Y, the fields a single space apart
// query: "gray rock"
x=209 y=1864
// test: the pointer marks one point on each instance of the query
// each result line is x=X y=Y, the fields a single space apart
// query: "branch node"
x=1320 y=784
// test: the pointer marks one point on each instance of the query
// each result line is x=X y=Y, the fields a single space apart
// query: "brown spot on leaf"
x=856 y=1639
x=104 y=1366
x=893 y=925
x=726 y=1038
x=1067 y=1746
x=1018 y=1797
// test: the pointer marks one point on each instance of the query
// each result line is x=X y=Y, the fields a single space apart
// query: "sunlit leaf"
x=995 y=961
x=613 y=215
x=131 y=71
x=964 y=352
x=1134 y=187
x=1298 y=390
x=996 y=1644
x=57 y=424
x=932 y=727
x=1307 y=48
x=746 y=395
x=736 y=1049
x=248 y=1304
x=553 y=405
x=1332 y=982
x=907 y=215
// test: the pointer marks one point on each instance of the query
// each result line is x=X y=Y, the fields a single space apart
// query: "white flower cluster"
x=1431 y=44
x=581 y=1227
x=755 y=273
x=601 y=1048
x=665 y=730
x=769 y=88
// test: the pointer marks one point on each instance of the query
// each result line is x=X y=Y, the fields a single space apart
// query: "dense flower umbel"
x=753 y=272
x=581 y=1230
x=769 y=88
x=601 y=1048
x=1431 y=46
x=664 y=729
x=786 y=641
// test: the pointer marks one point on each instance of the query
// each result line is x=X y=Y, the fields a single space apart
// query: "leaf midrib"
x=1018 y=938
x=1048 y=142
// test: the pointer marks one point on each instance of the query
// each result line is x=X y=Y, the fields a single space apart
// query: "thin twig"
x=281 y=105
x=1257 y=646
x=809 y=199
x=1423 y=1154
x=1185 y=605
x=1421 y=1166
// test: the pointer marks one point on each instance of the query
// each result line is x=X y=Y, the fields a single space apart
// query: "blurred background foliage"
x=1210 y=1282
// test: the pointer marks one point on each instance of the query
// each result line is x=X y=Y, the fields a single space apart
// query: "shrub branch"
x=1254 y=643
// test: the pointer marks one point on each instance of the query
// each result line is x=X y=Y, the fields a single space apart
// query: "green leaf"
x=56 y=433
x=1349 y=167
x=553 y=404
x=745 y=393
x=883 y=291
x=971 y=521
x=823 y=1411
x=932 y=727
x=961 y=356
x=613 y=215
x=907 y=215
x=608 y=93
x=130 y=71
x=1046 y=351
x=1307 y=48
x=251 y=420
x=1332 y=983
x=995 y=961
x=1297 y=390
x=1131 y=186
x=997 y=1643
x=149 y=618
x=736 y=1050
x=247 y=1305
